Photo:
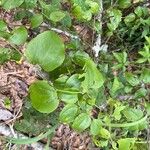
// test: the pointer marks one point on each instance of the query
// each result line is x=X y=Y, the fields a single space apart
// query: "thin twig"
x=61 y=31
x=97 y=46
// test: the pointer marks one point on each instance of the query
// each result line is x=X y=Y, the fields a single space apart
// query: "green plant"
x=107 y=96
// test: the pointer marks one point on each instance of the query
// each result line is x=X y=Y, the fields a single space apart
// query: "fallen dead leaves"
x=67 y=139
x=14 y=81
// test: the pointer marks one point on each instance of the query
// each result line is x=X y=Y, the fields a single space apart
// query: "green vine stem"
x=124 y=125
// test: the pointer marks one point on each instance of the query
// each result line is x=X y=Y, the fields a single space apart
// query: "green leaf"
x=19 y=36
x=43 y=97
x=117 y=112
x=66 y=21
x=9 y=54
x=132 y=79
x=126 y=144
x=29 y=4
x=68 y=113
x=82 y=122
x=104 y=133
x=83 y=10
x=10 y=4
x=73 y=82
x=100 y=143
x=121 y=57
x=141 y=60
x=116 y=86
x=129 y=18
x=115 y=18
x=95 y=127
x=68 y=88
x=4 y=34
x=92 y=77
x=145 y=76
x=47 y=50
x=36 y=20
x=142 y=92
x=68 y=96
x=3 y=25
x=4 y=55
x=132 y=114
x=57 y=16
x=124 y=3
x=138 y=11
x=94 y=6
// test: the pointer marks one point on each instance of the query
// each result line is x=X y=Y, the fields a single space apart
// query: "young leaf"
x=82 y=122
x=94 y=6
x=36 y=20
x=10 y=4
x=131 y=79
x=145 y=76
x=57 y=16
x=126 y=144
x=132 y=114
x=124 y=3
x=29 y=4
x=129 y=18
x=138 y=11
x=121 y=57
x=43 y=97
x=3 y=25
x=92 y=77
x=117 y=112
x=68 y=96
x=95 y=127
x=4 y=55
x=116 y=86
x=19 y=36
x=68 y=113
x=140 y=93
x=47 y=50
x=104 y=133
x=115 y=19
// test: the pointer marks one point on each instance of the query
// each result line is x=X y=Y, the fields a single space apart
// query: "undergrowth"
x=107 y=96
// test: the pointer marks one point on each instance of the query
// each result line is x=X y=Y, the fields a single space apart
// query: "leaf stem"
x=124 y=125
x=31 y=140
x=69 y=92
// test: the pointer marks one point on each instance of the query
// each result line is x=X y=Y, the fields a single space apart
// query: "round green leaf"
x=82 y=122
x=36 y=20
x=19 y=36
x=43 y=97
x=57 y=16
x=68 y=113
x=47 y=50
x=10 y=4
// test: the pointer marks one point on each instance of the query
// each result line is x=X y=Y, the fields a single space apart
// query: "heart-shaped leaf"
x=43 y=97
x=47 y=50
